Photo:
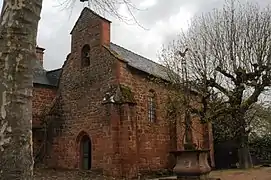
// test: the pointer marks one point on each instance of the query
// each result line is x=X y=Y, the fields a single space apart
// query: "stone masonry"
x=101 y=92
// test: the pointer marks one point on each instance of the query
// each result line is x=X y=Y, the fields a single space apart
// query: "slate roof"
x=54 y=76
x=43 y=77
x=140 y=62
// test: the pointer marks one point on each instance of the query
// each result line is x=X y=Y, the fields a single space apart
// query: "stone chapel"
x=102 y=111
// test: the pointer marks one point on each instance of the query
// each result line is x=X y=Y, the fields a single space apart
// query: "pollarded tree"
x=229 y=53
x=18 y=32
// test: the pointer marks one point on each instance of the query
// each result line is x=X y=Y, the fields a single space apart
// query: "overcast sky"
x=163 y=19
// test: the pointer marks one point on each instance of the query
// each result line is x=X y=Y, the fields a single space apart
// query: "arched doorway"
x=85 y=153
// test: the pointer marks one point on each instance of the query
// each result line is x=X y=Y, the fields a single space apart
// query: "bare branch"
x=213 y=83
x=225 y=73
x=253 y=98
x=230 y=54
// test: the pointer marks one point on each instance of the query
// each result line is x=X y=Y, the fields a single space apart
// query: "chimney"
x=39 y=54
x=105 y=32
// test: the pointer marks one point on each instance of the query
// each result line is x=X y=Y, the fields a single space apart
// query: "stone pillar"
x=123 y=131
x=114 y=168
x=128 y=144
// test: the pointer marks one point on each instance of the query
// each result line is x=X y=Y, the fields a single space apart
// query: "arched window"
x=152 y=106
x=85 y=56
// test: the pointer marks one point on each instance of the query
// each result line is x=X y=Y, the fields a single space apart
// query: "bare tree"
x=260 y=120
x=257 y=117
x=18 y=31
x=229 y=56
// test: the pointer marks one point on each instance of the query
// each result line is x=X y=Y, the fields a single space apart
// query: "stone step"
x=175 y=177
x=165 y=178
x=170 y=178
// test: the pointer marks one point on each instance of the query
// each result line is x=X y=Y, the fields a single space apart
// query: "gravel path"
x=45 y=174
x=252 y=174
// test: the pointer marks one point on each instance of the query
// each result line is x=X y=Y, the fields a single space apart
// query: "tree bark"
x=18 y=32
x=244 y=155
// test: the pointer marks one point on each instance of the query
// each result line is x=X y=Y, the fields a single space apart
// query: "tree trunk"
x=244 y=155
x=18 y=31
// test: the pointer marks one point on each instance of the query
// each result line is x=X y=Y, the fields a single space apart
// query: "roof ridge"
x=54 y=70
x=138 y=55
x=97 y=14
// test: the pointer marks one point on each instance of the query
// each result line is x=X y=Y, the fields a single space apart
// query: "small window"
x=152 y=106
x=85 y=56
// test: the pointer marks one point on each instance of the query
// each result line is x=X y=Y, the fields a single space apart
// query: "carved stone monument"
x=192 y=165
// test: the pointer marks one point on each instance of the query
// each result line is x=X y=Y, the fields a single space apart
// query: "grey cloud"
x=160 y=11
x=58 y=44
x=164 y=9
x=207 y=6
x=54 y=34
x=55 y=26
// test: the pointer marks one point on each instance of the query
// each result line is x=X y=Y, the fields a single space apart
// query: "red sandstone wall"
x=42 y=97
x=148 y=144
x=151 y=141
x=82 y=91
x=152 y=138
x=124 y=142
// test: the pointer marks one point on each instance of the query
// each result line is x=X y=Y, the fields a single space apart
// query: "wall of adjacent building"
x=42 y=100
